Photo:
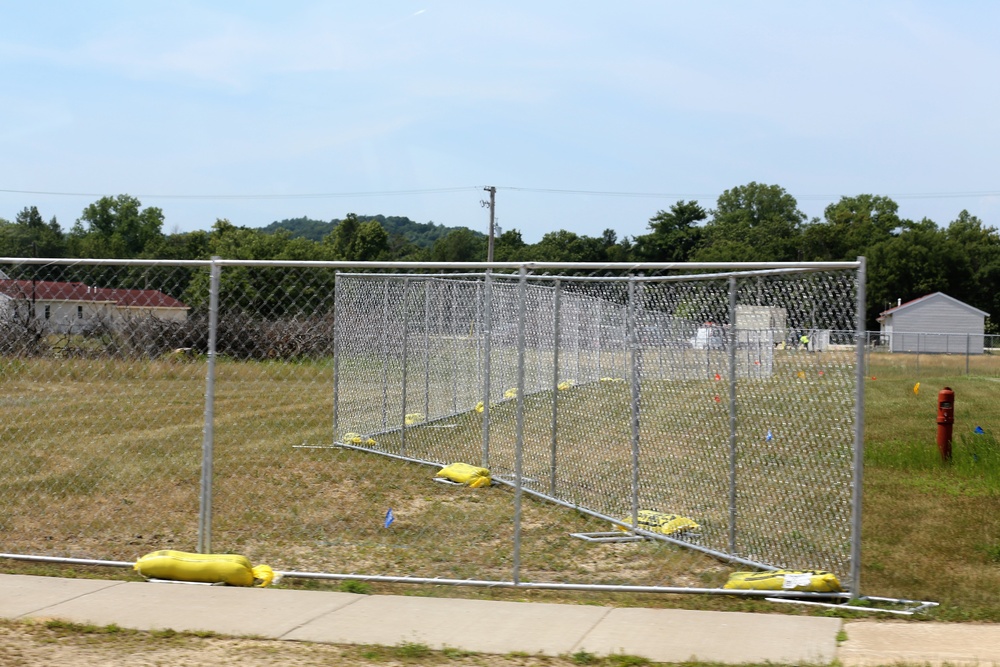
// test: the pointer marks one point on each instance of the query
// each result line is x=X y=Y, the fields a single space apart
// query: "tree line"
x=752 y=222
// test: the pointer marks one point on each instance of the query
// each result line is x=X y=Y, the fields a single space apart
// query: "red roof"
x=48 y=290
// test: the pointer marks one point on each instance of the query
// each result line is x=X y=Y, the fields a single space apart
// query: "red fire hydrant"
x=945 y=420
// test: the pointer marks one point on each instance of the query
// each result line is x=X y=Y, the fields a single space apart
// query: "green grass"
x=931 y=528
x=63 y=629
x=352 y=586
x=101 y=458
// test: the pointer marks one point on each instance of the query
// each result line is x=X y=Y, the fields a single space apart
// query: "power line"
x=317 y=195
x=607 y=193
x=703 y=195
x=469 y=188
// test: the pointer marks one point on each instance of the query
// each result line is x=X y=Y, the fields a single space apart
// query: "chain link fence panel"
x=930 y=354
x=102 y=409
x=728 y=399
x=654 y=393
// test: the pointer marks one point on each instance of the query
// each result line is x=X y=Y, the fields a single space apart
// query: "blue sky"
x=259 y=111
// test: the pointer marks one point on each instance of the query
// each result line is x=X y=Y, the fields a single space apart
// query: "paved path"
x=662 y=635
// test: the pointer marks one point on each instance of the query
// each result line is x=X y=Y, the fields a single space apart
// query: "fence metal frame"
x=713 y=270
x=633 y=353
x=876 y=341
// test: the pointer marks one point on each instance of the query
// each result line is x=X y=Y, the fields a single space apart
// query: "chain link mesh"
x=764 y=469
x=102 y=409
x=910 y=355
x=620 y=393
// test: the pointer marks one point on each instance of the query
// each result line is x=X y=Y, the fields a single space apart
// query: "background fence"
x=934 y=353
x=154 y=405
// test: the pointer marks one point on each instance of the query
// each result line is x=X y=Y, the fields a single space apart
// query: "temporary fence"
x=934 y=353
x=265 y=408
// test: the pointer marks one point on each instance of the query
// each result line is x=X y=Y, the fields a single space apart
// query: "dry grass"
x=101 y=459
x=111 y=452
x=43 y=643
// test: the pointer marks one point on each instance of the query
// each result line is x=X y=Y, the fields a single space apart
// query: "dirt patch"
x=27 y=644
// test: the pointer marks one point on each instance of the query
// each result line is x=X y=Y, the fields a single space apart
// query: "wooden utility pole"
x=493 y=202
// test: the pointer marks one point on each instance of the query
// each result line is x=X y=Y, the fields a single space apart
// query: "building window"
x=79 y=312
x=48 y=312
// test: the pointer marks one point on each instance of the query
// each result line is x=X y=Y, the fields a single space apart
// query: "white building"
x=66 y=306
x=935 y=323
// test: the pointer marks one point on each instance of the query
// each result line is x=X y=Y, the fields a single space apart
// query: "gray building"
x=936 y=323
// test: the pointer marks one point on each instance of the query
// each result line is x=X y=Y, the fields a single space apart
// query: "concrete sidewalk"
x=661 y=635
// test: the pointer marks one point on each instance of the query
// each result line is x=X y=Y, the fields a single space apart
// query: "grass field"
x=101 y=459
x=930 y=528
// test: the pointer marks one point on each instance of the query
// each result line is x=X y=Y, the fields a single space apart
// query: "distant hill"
x=421 y=234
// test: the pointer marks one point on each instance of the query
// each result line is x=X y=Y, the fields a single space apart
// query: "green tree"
x=117 y=227
x=266 y=292
x=460 y=245
x=614 y=249
x=981 y=247
x=566 y=246
x=674 y=234
x=509 y=247
x=371 y=243
x=30 y=236
x=850 y=227
x=753 y=222
x=341 y=239
x=918 y=261
x=175 y=280
x=403 y=250
x=355 y=241
x=186 y=245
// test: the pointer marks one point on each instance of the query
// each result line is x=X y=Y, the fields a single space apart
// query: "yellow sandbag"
x=566 y=384
x=463 y=473
x=661 y=522
x=816 y=581
x=510 y=393
x=229 y=569
x=414 y=418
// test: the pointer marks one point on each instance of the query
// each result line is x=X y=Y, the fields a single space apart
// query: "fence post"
x=859 y=436
x=968 y=340
x=456 y=334
x=600 y=332
x=336 y=355
x=633 y=348
x=487 y=324
x=708 y=353
x=522 y=294
x=406 y=337
x=208 y=441
x=555 y=387
x=579 y=334
x=385 y=357
x=624 y=335
x=427 y=348
x=540 y=361
x=732 y=414
x=867 y=358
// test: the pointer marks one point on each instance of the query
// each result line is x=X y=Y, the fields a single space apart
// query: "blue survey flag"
x=770 y=436
x=389 y=517
x=979 y=430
